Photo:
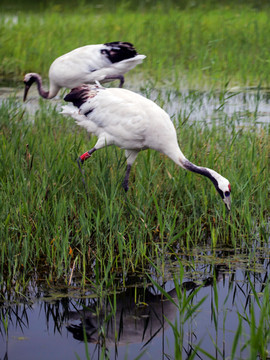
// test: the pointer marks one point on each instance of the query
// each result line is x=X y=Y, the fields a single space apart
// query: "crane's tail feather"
x=69 y=110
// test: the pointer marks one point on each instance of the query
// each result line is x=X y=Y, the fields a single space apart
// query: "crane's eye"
x=227 y=193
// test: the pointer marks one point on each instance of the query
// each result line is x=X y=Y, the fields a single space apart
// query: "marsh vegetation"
x=169 y=240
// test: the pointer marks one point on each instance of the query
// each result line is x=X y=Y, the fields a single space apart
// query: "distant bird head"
x=28 y=80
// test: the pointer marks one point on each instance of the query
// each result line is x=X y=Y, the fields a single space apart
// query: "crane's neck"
x=45 y=94
x=37 y=78
x=179 y=158
x=211 y=174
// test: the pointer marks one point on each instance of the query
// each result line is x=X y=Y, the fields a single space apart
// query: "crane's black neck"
x=203 y=171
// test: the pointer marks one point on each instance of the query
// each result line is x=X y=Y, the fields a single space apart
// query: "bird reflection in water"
x=130 y=321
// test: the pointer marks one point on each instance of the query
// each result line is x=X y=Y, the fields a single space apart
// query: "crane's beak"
x=27 y=87
x=227 y=201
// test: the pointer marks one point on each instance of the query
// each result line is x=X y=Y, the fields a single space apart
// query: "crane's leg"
x=122 y=80
x=131 y=156
x=115 y=77
x=102 y=141
x=125 y=182
x=81 y=160
x=86 y=155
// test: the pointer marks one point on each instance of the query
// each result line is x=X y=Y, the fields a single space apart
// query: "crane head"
x=28 y=80
x=221 y=184
x=224 y=189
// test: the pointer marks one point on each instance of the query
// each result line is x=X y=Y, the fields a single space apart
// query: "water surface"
x=244 y=106
x=138 y=320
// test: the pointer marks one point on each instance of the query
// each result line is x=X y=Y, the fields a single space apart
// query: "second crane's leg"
x=81 y=160
x=117 y=77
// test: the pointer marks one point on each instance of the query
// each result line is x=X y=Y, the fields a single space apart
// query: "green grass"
x=48 y=219
x=199 y=47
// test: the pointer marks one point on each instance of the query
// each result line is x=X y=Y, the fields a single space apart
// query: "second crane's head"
x=28 y=80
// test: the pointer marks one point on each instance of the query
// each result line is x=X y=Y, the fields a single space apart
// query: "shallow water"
x=138 y=320
x=246 y=107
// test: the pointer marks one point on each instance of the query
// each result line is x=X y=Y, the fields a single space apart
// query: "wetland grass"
x=48 y=219
x=184 y=48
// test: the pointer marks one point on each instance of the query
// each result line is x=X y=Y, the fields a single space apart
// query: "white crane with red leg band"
x=132 y=122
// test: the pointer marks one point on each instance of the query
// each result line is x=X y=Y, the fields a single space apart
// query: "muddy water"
x=139 y=320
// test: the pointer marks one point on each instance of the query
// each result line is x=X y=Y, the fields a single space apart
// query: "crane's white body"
x=85 y=65
x=126 y=119
x=132 y=122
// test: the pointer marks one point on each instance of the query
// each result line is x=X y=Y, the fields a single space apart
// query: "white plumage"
x=85 y=65
x=130 y=121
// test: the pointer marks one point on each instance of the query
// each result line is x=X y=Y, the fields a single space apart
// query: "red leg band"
x=85 y=156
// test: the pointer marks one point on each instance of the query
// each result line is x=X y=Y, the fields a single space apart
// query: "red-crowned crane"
x=130 y=121
x=85 y=65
